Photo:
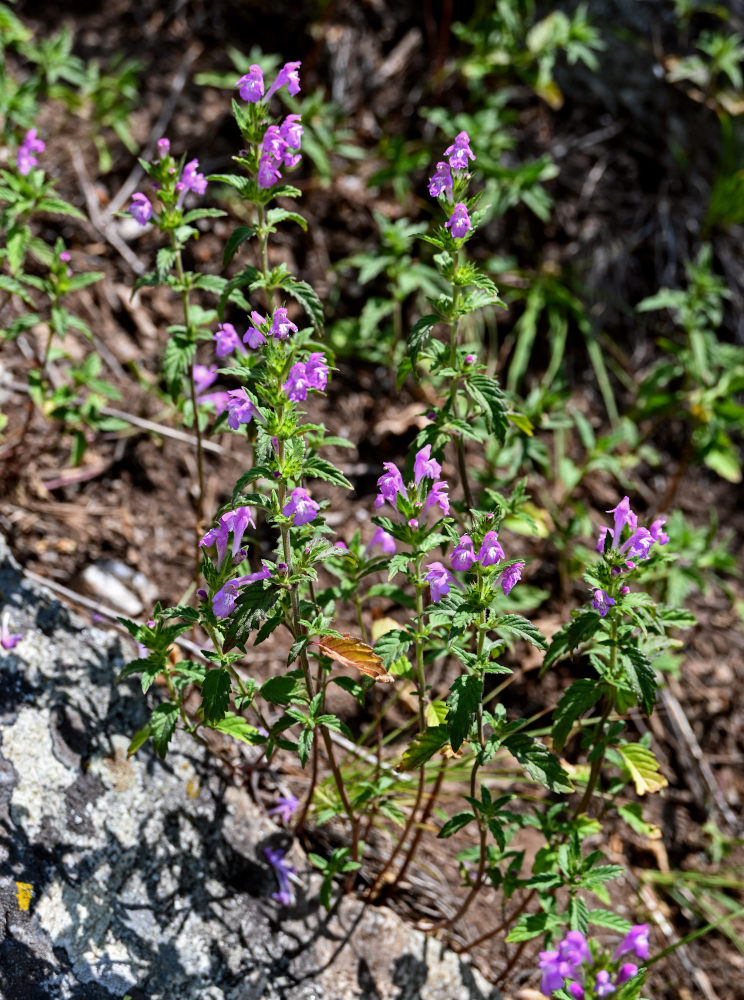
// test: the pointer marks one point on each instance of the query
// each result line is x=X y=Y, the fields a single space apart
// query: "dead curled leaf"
x=353 y=652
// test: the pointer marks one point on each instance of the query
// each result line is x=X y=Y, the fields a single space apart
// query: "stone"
x=134 y=877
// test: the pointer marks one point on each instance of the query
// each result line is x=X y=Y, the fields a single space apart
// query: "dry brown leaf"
x=353 y=652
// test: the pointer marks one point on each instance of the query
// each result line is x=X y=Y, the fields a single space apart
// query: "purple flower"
x=291 y=131
x=224 y=600
x=441 y=181
x=252 y=84
x=282 y=870
x=390 y=484
x=254 y=335
x=635 y=942
x=285 y=808
x=25 y=157
x=239 y=408
x=603 y=531
x=218 y=399
x=316 y=371
x=510 y=577
x=438 y=497
x=490 y=551
x=549 y=965
x=140 y=209
x=459 y=223
x=233 y=520
x=463 y=556
x=574 y=949
x=576 y=990
x=384 y=540
x=423 y=465
x=602 y=986
x=191 y=179
x=163 y=148
x=268 y=172
x=7 y=639
x=602 y=602
x=300 y=507
x=639 y=543
x=226 y=340
x=439 y=578
x=459 y=152
x=623 y=515
x=625 y=972
x=204 y=377
x=469 y=359
x=288 y=75
x=297 y=383
x=657 y=533
x=274 y=143
x=281 y=325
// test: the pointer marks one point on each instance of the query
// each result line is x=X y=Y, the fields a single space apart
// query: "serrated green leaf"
x=236 y=726
x=306 y=295
x=393 y=645
x=538 y=761
x=574 y=701
x=463 y=701
x=423 y=747
x=319 y=468
x=455 y=823
x=607 y=918
x=137 y=740
x=251 y=609
x=235 y=240
x=582 y=628
x=643 y=767
x=640 y=674
x=162 y=726
x=521 y=627
x=216 y=694
x=420 y=335
x=486 y=392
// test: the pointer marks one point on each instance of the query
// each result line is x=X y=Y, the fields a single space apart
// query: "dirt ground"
x=132 y=500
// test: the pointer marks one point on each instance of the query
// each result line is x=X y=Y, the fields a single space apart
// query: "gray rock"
x=146 y=878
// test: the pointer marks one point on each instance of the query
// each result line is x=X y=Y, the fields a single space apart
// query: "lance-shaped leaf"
x=352 y=652
x=576 y=700
x=643 y=767
x=251 y=609
x=462 y=701
x=215 y=694
x=423 y=747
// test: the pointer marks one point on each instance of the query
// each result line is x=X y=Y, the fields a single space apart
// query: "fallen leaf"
x=354 y=653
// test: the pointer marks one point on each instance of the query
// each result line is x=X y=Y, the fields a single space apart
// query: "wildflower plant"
x=270 y=565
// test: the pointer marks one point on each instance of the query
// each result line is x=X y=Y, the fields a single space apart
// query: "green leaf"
x=60 y=207
x=239 y=729
x=643 y=767
x=420 y=335
x=14 y=287
x=574 y=701
x=236 y=239
x=578 y=914
x=393 y=645
x=215 y=694
x=463 y=701
x=305 y=744
x=284 y=689
x=251 y=609
x=306 y=295
x=275 y=215
x=583 y=627
x=162 y=726
x=319 y=468
x=532 y=925
x=538 y=761
x=486 y=392
x=457 y=822
x=137 y=740
x=641 y=676
x=521 y=627
x=607 y=918
x=423 y=747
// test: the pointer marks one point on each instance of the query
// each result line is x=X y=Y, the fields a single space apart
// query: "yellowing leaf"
x=382 y=626
x=643 y=767
x=354 y=653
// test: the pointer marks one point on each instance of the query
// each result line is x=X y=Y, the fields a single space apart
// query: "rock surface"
x=133 y=877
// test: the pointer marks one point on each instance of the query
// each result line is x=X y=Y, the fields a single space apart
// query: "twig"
x=102 y=223
x=684 y=732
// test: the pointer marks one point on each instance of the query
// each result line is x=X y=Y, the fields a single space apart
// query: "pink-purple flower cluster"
x=640 y=540
x=227 y=339
x=223 y=602
x=285 y=808
x=306 y=375
x=490 y=553
x=280 y=147
x=391 y=484
x=7 y=639
x=235 y=521
x=26 y=155
x=141 y=208
x=300 y=507
x=571 y=966
x=252 y=83
x=459 y=223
